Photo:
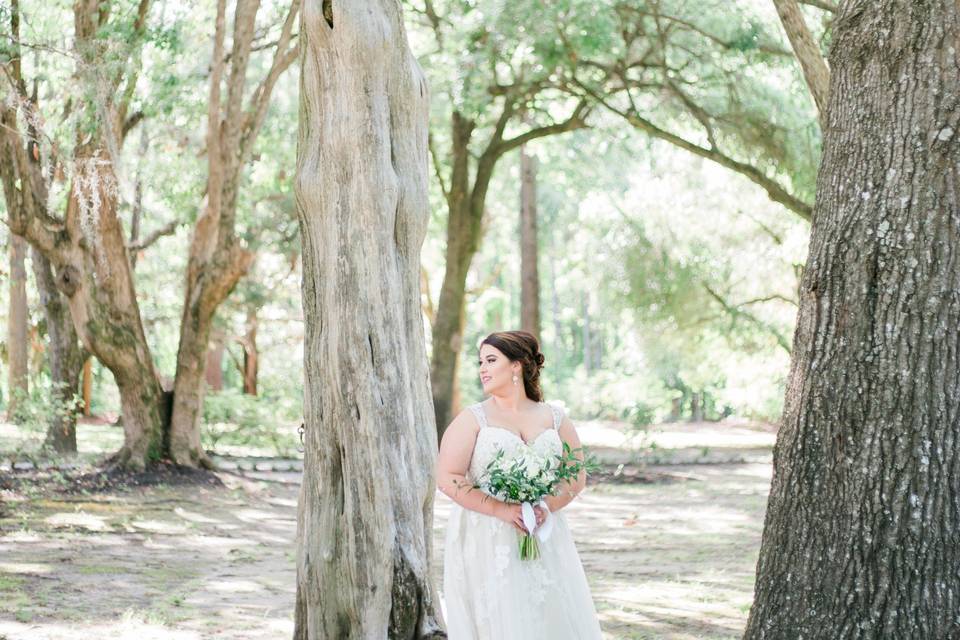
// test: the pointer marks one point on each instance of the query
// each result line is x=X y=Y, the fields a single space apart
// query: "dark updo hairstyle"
x=522 y=347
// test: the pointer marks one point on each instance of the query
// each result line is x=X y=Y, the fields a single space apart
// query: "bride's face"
x=496 y=370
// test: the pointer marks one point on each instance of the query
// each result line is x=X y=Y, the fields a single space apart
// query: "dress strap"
x=479 y=414
x=557 y=416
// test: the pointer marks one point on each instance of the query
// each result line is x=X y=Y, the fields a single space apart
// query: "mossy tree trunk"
x=86 y=247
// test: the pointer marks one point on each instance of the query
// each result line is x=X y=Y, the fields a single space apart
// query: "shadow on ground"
x=670 y=553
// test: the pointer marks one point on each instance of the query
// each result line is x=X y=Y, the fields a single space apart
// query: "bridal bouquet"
x=526 y=479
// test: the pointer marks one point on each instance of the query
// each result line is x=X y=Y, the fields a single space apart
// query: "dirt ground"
x=670 y=548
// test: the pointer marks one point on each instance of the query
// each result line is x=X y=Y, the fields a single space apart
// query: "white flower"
x=532 y=464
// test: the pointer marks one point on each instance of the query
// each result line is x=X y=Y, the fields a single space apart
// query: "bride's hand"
x=541 y=514
x=511 y=514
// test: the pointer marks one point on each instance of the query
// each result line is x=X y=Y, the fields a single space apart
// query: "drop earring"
x=515 y=379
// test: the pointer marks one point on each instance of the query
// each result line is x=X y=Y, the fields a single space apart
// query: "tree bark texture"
x=18 y=367
x=213 y=375
x=65 y=356
x=529 y=274
x=94 y=273
x=366 y=505
x=217 y=258
x=862 y=532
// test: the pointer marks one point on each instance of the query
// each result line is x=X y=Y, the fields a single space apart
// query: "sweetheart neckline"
x=518 y=436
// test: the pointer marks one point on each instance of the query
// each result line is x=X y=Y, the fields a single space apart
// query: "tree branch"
x=130 y=123
x=166 y=230
x=214 y=148
x=774 y=190
x=764 y=48
x=244 y=18
x=577 y=120
x=139 y=29
x=826 y=5
x=26 y=202
x=770 y=298
x=815 y=70
x=283 y=57
x=436 y=167
x=736 y=312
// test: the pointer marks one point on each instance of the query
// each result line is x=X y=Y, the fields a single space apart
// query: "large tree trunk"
x=214 y=366
x=217 y=258
x=206 y=289
x=366 y=504
x=529 y=275
x=862 y=533
x=96 y=278
x=89 y=255
x=66 y=358
x=251 y=356
x=464 y=227
x=87 y=247
x=17 y=342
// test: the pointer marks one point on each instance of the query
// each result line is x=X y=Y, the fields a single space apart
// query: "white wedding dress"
x=490 y=593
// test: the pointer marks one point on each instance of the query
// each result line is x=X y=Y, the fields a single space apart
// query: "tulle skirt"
x=491 y=594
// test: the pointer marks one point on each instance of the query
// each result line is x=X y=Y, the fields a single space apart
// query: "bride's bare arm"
x=569 y=489
x=456 y=450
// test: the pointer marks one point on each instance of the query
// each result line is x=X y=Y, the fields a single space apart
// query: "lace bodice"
x=491 y=439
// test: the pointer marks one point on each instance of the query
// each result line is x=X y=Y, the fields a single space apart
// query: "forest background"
x=673 y=194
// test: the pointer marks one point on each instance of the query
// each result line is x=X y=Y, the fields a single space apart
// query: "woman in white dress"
x=490 y=593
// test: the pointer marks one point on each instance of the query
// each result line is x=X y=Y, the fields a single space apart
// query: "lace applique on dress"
x=557 y=415
x=502 y=558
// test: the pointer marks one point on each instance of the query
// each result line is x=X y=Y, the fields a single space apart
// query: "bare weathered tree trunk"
x=251 y=355
x=366 y=504
x=217 y=257
x=862 y=533
x=65 y=356
x=815 y=70
x=529 y=274
x=17 y=342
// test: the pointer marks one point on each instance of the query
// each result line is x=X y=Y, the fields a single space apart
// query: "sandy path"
x=672 y=560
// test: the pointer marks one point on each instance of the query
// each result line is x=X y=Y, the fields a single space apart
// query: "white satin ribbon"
x=530 y=520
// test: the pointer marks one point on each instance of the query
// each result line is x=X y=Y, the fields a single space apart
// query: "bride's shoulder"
x=469 y=417
x=555 y=405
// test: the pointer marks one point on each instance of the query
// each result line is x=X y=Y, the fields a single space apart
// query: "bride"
x=490 y=593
